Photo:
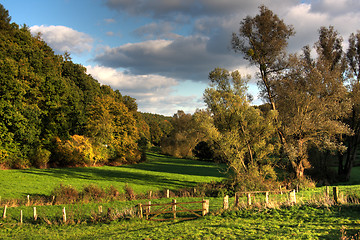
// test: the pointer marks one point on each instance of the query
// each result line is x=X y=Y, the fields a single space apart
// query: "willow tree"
x=347 y=159
x=239 y=131
x=312 y=99
x=263 y=40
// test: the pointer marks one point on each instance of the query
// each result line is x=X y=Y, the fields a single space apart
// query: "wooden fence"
x=151 y=213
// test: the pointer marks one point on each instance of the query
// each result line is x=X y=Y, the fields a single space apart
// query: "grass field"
x=307 y=220
x=159 y=172
x=298 y=222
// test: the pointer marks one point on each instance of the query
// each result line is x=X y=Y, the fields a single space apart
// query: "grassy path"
x=159 y=172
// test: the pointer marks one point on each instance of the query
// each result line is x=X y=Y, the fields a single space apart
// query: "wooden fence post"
x=327 y=191
x=336 y=194
x=267 y=197
x=237 y=199
x=249 y=199
x=35 y=214
x=174 y=208
x=167 y=193
x=140 y=210
x=293 y=196
x=64 y=215
x=28 y=200
x=100 y=209
x=205 y=207
x=21 y=216
x=150 y=194
x=148 y=210
x=4 y=214
x=226 y=202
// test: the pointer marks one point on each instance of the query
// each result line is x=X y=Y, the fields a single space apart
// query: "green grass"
x=158 y=173
x=298 y=222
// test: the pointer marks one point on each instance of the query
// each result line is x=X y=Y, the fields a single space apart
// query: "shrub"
x=40 y=158
x=129 y=192
x=65 y=194
x=93 y=192
x=77 y=151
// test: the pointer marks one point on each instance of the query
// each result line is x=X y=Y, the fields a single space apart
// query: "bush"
x=130 y=193
x=40 y=158
x=75 y=152
x=65 y=194
x=93 y=192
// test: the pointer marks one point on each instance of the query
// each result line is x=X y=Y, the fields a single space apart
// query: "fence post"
x=336 y=194
x=28 y=200
x=167 y=193
x=64 y=215
x=249 y=199
x=237 y=199
x=226 y=202
x=267 y=197
x=150 y=194
x=100 y=209
x=293 y=196
x=140 y=211
x=21 y=216
x=148 y=210
x=4 y=214
x=205 y=207
x=327 y=191
x=174 y=208
x=35 y=214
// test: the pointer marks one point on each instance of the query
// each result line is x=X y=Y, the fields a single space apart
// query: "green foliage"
x=44 y=96
x=241 y=134
x=184 y=136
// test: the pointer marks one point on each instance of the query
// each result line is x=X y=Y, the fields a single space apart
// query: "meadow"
x=313 y=217
x=157 y=173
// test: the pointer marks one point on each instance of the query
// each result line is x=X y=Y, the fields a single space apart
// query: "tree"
x=242 y=135
x=184 y=136
x=311 y=100
x=353 y=118
x=263 y=40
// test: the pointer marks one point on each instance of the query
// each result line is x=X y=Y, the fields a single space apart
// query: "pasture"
x=158 y=173
x=311 y=218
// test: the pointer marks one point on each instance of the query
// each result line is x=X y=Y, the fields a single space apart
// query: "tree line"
x=52 y=113
x=311 y=110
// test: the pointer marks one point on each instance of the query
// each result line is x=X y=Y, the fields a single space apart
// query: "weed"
x=129 y=192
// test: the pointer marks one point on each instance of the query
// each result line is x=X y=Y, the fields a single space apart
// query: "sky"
x=160 y=52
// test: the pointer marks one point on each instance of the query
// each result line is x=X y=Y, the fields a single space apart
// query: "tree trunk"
x=344 y=169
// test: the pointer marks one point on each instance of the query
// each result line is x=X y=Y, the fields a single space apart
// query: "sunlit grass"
x=158 y=173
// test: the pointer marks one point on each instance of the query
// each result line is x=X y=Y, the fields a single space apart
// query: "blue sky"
x=161 y=51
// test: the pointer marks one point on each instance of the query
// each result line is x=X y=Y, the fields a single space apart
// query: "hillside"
x=50 y=108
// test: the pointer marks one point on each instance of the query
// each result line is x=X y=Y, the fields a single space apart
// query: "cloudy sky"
x=161 y=51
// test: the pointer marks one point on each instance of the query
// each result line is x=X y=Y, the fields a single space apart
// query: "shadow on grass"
x=166 y=164
x=157 y=172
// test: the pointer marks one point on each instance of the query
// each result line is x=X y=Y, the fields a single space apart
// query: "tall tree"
x=241 y=133
x=311 y=100
x=347 y=159
x=263 y=41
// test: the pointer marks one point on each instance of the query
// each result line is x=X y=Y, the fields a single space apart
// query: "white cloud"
x=129 y=82
x=62 y=38
x=153 y=93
